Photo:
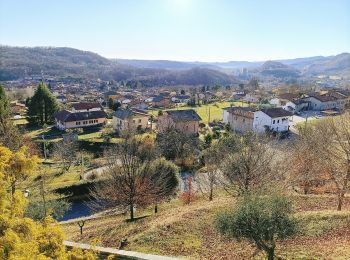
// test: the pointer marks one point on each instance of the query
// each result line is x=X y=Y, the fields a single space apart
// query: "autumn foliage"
x=22 y=237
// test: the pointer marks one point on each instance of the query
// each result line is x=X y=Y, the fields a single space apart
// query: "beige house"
x=129 y=120
x=240 y=119
x=183 y=120
x=66 y=119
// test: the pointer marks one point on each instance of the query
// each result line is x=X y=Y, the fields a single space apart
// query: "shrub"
x=261 y=220
x=188 y=196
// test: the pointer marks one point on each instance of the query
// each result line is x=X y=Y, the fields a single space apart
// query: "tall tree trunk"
x=13 y=189
x=131 y=211
x=211 y=193
x=270 y=253
x=340 y=201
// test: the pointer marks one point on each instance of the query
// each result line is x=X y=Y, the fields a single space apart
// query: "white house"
x=251 y=98
x=275 y=102
x=181 y=99
x=61 y=98
x=297 y=105
x=66 y=119
x=271 y=119
x=243 y=119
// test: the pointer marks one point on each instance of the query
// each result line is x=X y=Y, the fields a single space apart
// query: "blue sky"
x=189 y=30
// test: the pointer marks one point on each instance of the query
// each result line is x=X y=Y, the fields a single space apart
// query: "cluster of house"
x=153 y=98
x=131 y=98
x=326 y=101
x=91 y=114
x=277 y=117
x=244 y=119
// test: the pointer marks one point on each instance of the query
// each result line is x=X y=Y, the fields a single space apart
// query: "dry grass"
x=189 y=231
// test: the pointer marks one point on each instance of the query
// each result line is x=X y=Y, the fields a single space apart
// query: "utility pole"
x=42 y=193
x=82 y=166
x=43 y=137
x=209 y=116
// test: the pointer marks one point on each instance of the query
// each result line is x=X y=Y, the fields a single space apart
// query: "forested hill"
x=19 y=62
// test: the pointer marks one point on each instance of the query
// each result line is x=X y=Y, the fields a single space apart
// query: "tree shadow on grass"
x=136 y=219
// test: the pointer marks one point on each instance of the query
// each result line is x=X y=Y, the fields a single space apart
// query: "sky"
x=185 y=30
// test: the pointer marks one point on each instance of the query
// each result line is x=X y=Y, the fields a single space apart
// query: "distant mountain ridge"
x=278 y=70
x=308 y=66
x=339 y=64
x=19 y=62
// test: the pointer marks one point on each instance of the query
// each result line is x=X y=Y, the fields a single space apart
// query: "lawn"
x=54 y=178
x=189 y=231
x=22 y=121
x=209 y=112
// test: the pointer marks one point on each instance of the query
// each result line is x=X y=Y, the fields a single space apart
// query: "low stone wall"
x=120 y=254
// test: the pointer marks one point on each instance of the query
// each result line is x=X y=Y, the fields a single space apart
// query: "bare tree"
x=249 y=166
x=66 y=153
x=329 y=141
x=210 y=176
x=132 y=180
x=305 y=168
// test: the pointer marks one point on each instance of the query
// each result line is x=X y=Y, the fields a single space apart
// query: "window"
x=273 y=122
x=140 y=120
x=133 y=121
x=278 y=121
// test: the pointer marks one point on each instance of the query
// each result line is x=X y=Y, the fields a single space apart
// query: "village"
x=174 y=130
x=241 y=110
x=195 y=133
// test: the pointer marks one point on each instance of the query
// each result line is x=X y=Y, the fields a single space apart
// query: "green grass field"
x=209 y=112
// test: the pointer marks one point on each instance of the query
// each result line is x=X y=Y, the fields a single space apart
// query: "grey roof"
x=67 y=116
x=299 y=101
x=125 y=113
x=288 y=96
x=182 y=96
x=158 y=98
x=110 y=93
x=184 y=115
x=323 y=98
x=276 y=112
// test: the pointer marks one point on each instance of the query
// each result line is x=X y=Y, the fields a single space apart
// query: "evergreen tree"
x=4 y=104
x=42 y=106
x=9 y=133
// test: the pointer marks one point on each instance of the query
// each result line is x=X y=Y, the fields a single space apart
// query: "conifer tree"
x=42 y=106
